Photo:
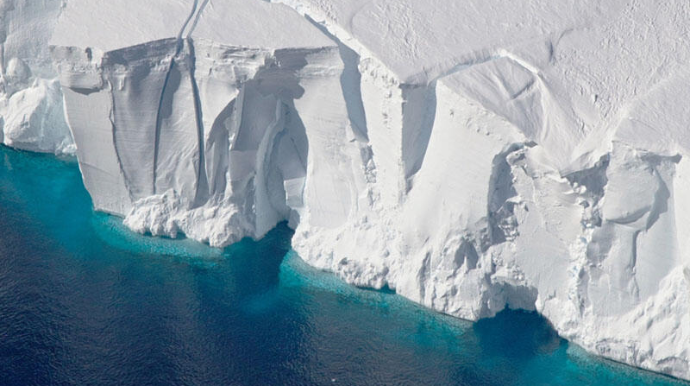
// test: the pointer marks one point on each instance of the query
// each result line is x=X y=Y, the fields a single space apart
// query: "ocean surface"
x=85 y=302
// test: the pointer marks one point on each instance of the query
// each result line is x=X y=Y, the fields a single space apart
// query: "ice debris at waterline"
x=80 y=304
x=469 y=155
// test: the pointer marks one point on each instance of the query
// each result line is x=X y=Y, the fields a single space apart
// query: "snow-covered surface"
x=469 y=155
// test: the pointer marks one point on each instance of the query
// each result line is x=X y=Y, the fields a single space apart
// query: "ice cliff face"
x=31 y=112
x=469 y=155
x=196 y=126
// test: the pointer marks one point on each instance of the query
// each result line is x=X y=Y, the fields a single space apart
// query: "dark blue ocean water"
x=85 y=302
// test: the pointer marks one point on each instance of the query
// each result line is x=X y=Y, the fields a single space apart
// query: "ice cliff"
x=31 y=111
x=470 y=155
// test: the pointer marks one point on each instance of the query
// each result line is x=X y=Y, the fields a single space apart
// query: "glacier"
x=469 y=155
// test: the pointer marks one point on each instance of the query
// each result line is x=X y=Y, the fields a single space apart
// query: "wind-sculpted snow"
x=469 y=155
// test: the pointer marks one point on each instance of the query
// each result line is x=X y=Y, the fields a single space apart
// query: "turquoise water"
x=85 y=302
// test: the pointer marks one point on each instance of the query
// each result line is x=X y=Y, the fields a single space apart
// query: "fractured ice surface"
x=469 y=155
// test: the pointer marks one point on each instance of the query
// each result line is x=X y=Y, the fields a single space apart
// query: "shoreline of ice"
x=526 y=157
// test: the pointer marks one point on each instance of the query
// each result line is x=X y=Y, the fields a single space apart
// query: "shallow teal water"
x=85 y=302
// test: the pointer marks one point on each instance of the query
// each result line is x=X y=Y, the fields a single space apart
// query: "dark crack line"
x=111 y=117
x=186 y=22
x=157 y=138
x=198 y=16
x=178 y=48
x=202 y=187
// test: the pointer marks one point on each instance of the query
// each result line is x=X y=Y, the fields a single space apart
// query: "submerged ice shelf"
x=471 y=156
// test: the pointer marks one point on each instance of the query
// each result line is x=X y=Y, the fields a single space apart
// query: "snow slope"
x=469 y=155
